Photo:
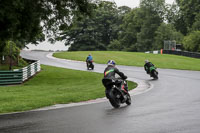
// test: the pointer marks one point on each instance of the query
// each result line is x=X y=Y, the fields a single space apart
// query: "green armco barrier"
x=11 y=77
x=18 y=76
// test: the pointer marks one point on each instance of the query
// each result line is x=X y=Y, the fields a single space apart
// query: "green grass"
x=52 y=86
x=6 y=67
x=135 y=59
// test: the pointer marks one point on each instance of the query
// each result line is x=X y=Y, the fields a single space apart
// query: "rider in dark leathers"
x=147 y=66
x=110 y=70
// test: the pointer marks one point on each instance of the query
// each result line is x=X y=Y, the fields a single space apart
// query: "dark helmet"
x=111 y=63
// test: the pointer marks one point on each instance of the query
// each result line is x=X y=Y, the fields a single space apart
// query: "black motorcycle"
x=116 y=92
x=90 y=65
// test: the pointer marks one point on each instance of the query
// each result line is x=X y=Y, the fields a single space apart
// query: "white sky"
x=133 y=3
x=48 y=46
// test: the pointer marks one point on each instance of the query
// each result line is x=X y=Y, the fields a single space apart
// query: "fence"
x=18 y=76
x=154 y=52
x=183 y=53
x=175 y=52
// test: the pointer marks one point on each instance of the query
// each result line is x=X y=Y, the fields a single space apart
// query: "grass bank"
x=135 y=59
x=52 y=86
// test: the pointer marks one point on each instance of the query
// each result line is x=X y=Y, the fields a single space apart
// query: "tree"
x=166 y=32
x=24 y=21
x=130 y=27
x=191 y=42
x=189 y=14
x=95 y=32
x=196 y=24
x=172 y=12
x=115 y=45
x=154 y=11
x=139 y=26
x=21 y=19
x=123 y=10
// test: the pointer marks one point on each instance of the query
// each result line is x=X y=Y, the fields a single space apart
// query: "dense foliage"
x=100 y=26
x=192 y=41
x=24 y=21
x=97 y=31
x=139 y=29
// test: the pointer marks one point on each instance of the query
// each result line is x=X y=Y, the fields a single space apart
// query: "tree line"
x=28 y=21
x=100 y=25
x=139 y=29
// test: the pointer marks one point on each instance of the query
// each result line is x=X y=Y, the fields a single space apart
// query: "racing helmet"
x=111 y=62
x=146 y=61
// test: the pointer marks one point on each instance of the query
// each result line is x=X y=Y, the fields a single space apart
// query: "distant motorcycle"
x=153 y=72
x=90 y=65
x=116 y=92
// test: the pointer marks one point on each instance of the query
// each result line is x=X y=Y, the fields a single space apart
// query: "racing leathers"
x=109 y=73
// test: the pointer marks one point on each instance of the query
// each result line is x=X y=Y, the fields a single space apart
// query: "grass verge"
x=135 y=59
x=52 y=86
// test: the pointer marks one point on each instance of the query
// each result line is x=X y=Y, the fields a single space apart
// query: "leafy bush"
x=11 y=51
x=192 y=41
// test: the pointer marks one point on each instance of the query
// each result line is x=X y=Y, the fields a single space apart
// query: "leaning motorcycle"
x=153 y=72
x=116 y=92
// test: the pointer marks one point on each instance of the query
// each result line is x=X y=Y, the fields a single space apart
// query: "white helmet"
x=146 y=61
x=111 y=63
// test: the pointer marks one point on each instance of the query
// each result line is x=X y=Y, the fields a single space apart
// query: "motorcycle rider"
x=89 y=59
x=147 y=66
x=109 y=73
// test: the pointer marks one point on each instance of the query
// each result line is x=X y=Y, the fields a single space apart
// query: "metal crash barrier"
x=18 y=76
x=183 y=53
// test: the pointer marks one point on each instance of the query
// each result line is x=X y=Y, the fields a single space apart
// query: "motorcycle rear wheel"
x=128 y=101
x=155 y=75
x=114 y=100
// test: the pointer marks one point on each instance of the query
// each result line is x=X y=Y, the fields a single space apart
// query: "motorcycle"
x=153 y=72
x=90 y=65
x=116 y=92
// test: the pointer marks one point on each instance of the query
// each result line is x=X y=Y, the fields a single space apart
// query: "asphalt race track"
x=172 y=105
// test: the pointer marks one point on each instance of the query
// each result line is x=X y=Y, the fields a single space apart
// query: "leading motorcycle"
x=116 y=92
x=90 y=65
